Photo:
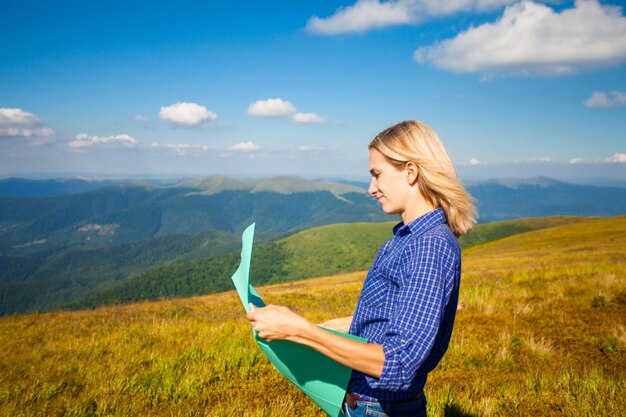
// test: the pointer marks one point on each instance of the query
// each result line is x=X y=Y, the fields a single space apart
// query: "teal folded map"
x=319 y=377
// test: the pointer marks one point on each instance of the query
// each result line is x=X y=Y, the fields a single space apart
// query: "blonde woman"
x=408 y=301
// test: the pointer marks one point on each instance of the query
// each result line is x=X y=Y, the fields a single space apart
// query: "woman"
x=408 y=302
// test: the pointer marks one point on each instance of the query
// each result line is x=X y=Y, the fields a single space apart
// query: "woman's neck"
x=417 y=210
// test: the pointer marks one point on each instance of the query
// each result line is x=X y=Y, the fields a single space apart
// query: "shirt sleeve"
x=412 y=331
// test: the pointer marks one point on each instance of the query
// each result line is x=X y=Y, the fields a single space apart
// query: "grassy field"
x=348 y=247
x=542 y=332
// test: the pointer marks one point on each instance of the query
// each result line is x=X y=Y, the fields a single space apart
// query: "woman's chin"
x=389 y=210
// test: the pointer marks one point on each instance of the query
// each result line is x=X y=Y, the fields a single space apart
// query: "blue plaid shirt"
x=407 y=304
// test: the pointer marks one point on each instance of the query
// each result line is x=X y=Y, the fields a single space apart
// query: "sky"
x=514 y=89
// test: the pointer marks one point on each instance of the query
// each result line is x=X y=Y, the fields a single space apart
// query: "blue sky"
x=514 y=89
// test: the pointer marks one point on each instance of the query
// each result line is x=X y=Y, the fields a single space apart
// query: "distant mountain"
x=125 y=213
x=281 y=185
x=20 y=187
x=506 y=199
x=515 y=183
x=541 y=196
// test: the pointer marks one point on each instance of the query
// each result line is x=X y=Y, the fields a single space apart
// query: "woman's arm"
x=280 y=323
x=341 y=324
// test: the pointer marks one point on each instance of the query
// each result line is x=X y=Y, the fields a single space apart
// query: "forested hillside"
x=325 y=250
x=42 y=283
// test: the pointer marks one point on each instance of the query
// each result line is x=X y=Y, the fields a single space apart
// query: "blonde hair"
x=413 y=141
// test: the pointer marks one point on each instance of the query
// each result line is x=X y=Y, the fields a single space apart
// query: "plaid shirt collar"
x=421 y=224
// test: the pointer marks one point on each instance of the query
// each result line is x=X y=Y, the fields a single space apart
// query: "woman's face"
x=389 y=184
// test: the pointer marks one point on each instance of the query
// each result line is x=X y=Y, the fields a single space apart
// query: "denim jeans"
x=413 y=408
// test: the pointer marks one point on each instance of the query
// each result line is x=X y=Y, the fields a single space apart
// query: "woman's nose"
x=373 y=189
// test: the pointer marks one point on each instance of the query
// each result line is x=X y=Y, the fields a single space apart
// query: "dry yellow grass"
x=542 y=332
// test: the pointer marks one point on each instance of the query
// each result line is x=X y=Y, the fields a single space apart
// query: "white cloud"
x=18 y=123
x=618 y=158
x=244 y=147
x=576 y=161
x=272 y=107
x=542 y=159
x=277 y=107
x=180 y=148
x=186 y=148
x=533 y=39
x=474 y=161
x=602 y=99
x=186 y=114
x=364 y=15
x=84 y=141
x=307 y=118
x=17 y=116
x=367 y=15
x=141 y=118
x=312 y=149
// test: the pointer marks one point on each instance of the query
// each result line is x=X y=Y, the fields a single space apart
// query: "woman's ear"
x=411 y=172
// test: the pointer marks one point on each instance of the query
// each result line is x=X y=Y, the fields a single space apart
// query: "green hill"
x=541 y=333
x=325 y=250
x=497 y=230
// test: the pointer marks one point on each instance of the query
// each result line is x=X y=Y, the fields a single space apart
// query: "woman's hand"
x=280 y=323
x=277 y=323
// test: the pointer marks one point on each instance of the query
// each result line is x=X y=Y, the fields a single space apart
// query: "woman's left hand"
x=277 y=322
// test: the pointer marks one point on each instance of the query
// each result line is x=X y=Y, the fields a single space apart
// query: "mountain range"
x=64 y=240
x=125 y=213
